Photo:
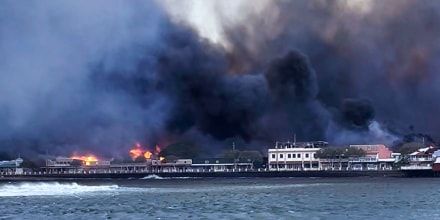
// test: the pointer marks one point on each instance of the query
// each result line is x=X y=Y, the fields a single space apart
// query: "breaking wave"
x=154 y=176
x=50 y=189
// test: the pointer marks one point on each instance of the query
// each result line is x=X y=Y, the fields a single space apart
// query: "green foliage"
x=183 y=150
x=408 y=148
x=171 y=159
x=231 y=154
x=354 y=152
x=340 y=152
x=254 y=157
x=76 y=163
x=140 y=159
x=34 y=163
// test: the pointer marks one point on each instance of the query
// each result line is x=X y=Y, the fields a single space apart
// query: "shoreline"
x=183 y=175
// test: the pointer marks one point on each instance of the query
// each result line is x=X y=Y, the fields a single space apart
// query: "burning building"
x=154 y=72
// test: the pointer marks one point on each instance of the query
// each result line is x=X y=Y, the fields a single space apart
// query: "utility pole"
x=235 y=156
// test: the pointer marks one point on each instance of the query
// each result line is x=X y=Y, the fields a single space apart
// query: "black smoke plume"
x=99 y=77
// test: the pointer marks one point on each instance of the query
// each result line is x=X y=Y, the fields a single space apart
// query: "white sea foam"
x=50 y=189
x=154 y=176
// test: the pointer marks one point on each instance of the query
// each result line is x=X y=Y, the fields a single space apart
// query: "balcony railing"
x=421 y=159
x=363 y=159
x=417 y=167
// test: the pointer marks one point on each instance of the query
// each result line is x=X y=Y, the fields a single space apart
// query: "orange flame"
x=87 y=160
x=148 y=155
x=158 y=150
x=136 y=152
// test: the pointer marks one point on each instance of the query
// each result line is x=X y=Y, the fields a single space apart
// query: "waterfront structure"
x=285 y=156
x=422 y=159
x=425 y=162
x=291 y=156
x=75 y=165
x=377 y=157
x=59 y=162
x=11 y=167
x=65 y=165
x=296 y=156
x=340 y=162
x=220 y=165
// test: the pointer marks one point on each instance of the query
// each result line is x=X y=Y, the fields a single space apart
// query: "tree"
x=329 y=152
x=354 y=152
x=76 y=163
x=140 y=159
x=32 y=162
x=171 y=159
x=408 y=148
x=231 y=154
x=340 y=152
x=254 y=157
x=185 y=150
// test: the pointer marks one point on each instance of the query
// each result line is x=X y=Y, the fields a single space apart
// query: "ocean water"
x=223 y=198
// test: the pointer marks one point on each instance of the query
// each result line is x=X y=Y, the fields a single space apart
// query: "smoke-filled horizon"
x=98 y=77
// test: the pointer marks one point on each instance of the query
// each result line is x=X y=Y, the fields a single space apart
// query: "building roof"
x=311 y=144
x=375 y=150
x=424 y=151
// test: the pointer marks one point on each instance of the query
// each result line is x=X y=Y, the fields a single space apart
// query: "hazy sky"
x=99 y=76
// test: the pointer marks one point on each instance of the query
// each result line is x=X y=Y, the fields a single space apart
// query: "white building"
x=60 y=162
x=377 y=157
x=422 y=159
x=295 y=156
x=11 y=167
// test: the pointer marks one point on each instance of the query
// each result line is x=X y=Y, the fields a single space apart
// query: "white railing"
x=364 y=159
x=421 y=159
x=416 y=167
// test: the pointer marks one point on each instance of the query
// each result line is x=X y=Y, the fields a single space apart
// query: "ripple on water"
x=225 y=200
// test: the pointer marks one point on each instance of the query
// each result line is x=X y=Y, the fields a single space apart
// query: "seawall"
x=248 y=174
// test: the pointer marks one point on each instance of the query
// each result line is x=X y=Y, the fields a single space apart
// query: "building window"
x=294 y=155
x=289 y=155
x=307 y=155
x=281 y=155
x=273 y=156
x=298 y=155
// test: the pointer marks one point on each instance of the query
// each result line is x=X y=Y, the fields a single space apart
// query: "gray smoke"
x=380 y=55
x=50 y=99
x=98 y=77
